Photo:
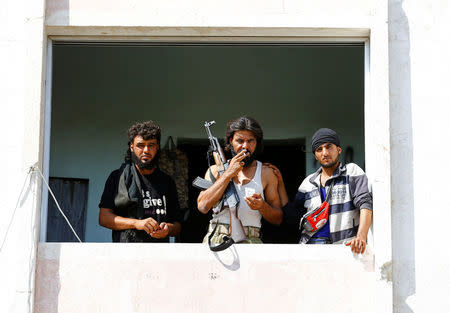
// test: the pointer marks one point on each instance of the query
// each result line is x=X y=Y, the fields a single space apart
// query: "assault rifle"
x=231 y=197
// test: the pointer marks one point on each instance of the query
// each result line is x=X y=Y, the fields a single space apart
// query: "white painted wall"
x=292 y=20
x=419 y=50
x=417 y=120
x=190 y=278
x=21 y=64
x=402 y=160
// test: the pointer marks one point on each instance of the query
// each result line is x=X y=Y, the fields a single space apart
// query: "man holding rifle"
x=256 y=187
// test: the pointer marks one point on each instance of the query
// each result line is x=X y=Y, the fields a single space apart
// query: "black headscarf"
x=324 y=135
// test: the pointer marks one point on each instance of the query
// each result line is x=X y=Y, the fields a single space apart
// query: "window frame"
x=376 y=98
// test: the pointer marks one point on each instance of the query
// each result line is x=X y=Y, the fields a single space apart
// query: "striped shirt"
x=349 y=195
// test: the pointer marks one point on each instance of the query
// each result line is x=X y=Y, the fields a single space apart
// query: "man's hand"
x=276 y=171
x=149 y=225
x=209 y=197
x=280 y=183
x=358 y=244
x=236 y=163
x=162 y=232
x=255 y=201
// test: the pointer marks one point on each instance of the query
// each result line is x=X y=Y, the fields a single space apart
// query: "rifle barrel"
x=208 y=131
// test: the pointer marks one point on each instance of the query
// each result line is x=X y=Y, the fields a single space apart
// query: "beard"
x=247 y=160
x=331 y=164
x=145 y=165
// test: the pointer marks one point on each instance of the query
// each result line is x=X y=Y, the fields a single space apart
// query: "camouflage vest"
x=174 y=163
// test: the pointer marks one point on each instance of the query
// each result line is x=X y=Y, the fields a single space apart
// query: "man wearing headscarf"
x=344 y=186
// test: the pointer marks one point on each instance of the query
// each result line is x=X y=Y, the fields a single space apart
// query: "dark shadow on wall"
x=402 y=174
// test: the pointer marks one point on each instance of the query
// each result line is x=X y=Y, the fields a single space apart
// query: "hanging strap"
x=211 y=176
x=170 y=144
x=329 y=191
x=227 y=241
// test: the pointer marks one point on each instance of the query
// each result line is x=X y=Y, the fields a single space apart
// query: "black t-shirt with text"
x=160 y=201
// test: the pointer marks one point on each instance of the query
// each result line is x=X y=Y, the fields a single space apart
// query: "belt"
x=250 y=231
x=319 y=240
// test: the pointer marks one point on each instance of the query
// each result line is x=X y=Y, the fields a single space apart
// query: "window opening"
x=68 y=93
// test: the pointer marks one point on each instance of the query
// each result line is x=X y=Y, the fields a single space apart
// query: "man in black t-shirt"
x=139 y=202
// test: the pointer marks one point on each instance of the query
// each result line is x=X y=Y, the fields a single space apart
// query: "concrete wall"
x=21 y=62
x=401 y=137
x=190 y=278
x=419 y=67
x=99 y=91
x=262 y=21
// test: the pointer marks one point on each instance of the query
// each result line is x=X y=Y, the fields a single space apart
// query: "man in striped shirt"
x=350 y=211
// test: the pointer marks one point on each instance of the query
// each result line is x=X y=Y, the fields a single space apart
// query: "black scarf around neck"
x=129 y=193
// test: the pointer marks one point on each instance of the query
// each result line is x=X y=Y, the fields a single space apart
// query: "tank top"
x=247 y=216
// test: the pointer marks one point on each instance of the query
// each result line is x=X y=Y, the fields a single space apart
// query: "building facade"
x=405 y=110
